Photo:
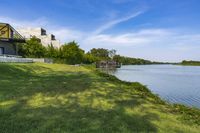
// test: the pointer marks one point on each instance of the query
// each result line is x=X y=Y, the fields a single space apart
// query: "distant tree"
x=130 y=61
x=112 y=53
x=117 y=58
x=32 y=48
x=190 y=62
x=100 y=53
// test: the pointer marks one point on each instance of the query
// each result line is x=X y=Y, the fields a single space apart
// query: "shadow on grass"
x=22 y=80
x=66 y=101
x=74 y=118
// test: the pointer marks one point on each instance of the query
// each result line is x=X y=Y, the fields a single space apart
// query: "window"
x=53 y=37
x=43 y=32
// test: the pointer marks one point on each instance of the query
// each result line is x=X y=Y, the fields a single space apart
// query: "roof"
x=16 y=37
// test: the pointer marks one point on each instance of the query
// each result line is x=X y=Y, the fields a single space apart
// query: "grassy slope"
x=57 y=98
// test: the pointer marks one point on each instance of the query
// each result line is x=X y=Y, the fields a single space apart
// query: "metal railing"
x=6 y=55
x=14 y=58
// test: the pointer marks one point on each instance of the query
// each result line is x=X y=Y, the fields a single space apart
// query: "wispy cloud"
x=116 y=21
x=141 y=37
x=66 y=34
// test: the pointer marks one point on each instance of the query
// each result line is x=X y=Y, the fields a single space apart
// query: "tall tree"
x=72 y=53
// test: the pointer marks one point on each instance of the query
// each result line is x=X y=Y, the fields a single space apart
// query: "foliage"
x=130 y=61
x=100 y=53
x=32 y=48
x=52 y=52
x=89 y=58
x=71 y=53
x=190 y=63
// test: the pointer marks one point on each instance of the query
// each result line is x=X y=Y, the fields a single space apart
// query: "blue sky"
x=160 y=30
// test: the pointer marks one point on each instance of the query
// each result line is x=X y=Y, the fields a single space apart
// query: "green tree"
x=71 y=53
x=100 y=53
x=52 y=52
x=32 y=48
x=131 y=61
x=89 y=58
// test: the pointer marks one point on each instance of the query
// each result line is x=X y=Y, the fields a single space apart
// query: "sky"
x=158 y=30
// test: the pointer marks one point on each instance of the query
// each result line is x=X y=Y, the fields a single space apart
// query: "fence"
x=15 y=59
x=19 y=59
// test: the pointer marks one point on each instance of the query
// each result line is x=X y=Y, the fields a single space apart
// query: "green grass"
x=60 y=98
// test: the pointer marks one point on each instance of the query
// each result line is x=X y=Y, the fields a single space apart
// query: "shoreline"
x=131 y=72
x=188 y=111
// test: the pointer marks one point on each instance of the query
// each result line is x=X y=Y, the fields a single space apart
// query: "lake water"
x=174 y=83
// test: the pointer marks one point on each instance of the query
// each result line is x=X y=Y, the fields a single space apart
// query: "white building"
x=46 y=39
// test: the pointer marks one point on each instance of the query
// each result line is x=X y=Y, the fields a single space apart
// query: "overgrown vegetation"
x=33 y=49
x=69 y=53
x=61 y=98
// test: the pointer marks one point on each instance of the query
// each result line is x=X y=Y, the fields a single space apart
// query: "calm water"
x=176 y=84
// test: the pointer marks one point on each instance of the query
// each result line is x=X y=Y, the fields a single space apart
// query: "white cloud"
x=115 y=22
x=142 y=37
x=66 y=34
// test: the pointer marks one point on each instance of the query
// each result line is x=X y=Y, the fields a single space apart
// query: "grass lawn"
x=61 y=98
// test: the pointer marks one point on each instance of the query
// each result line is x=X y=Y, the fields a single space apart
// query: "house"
x=46 y=39
x=8 y=39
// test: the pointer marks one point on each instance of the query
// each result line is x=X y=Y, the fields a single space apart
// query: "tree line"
x=71 y=53
x=190 y=62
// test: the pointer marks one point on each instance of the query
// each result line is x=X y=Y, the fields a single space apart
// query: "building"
x=8 y=39
x=46 y=39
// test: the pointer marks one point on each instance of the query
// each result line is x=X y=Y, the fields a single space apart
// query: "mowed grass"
x=61 y=98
